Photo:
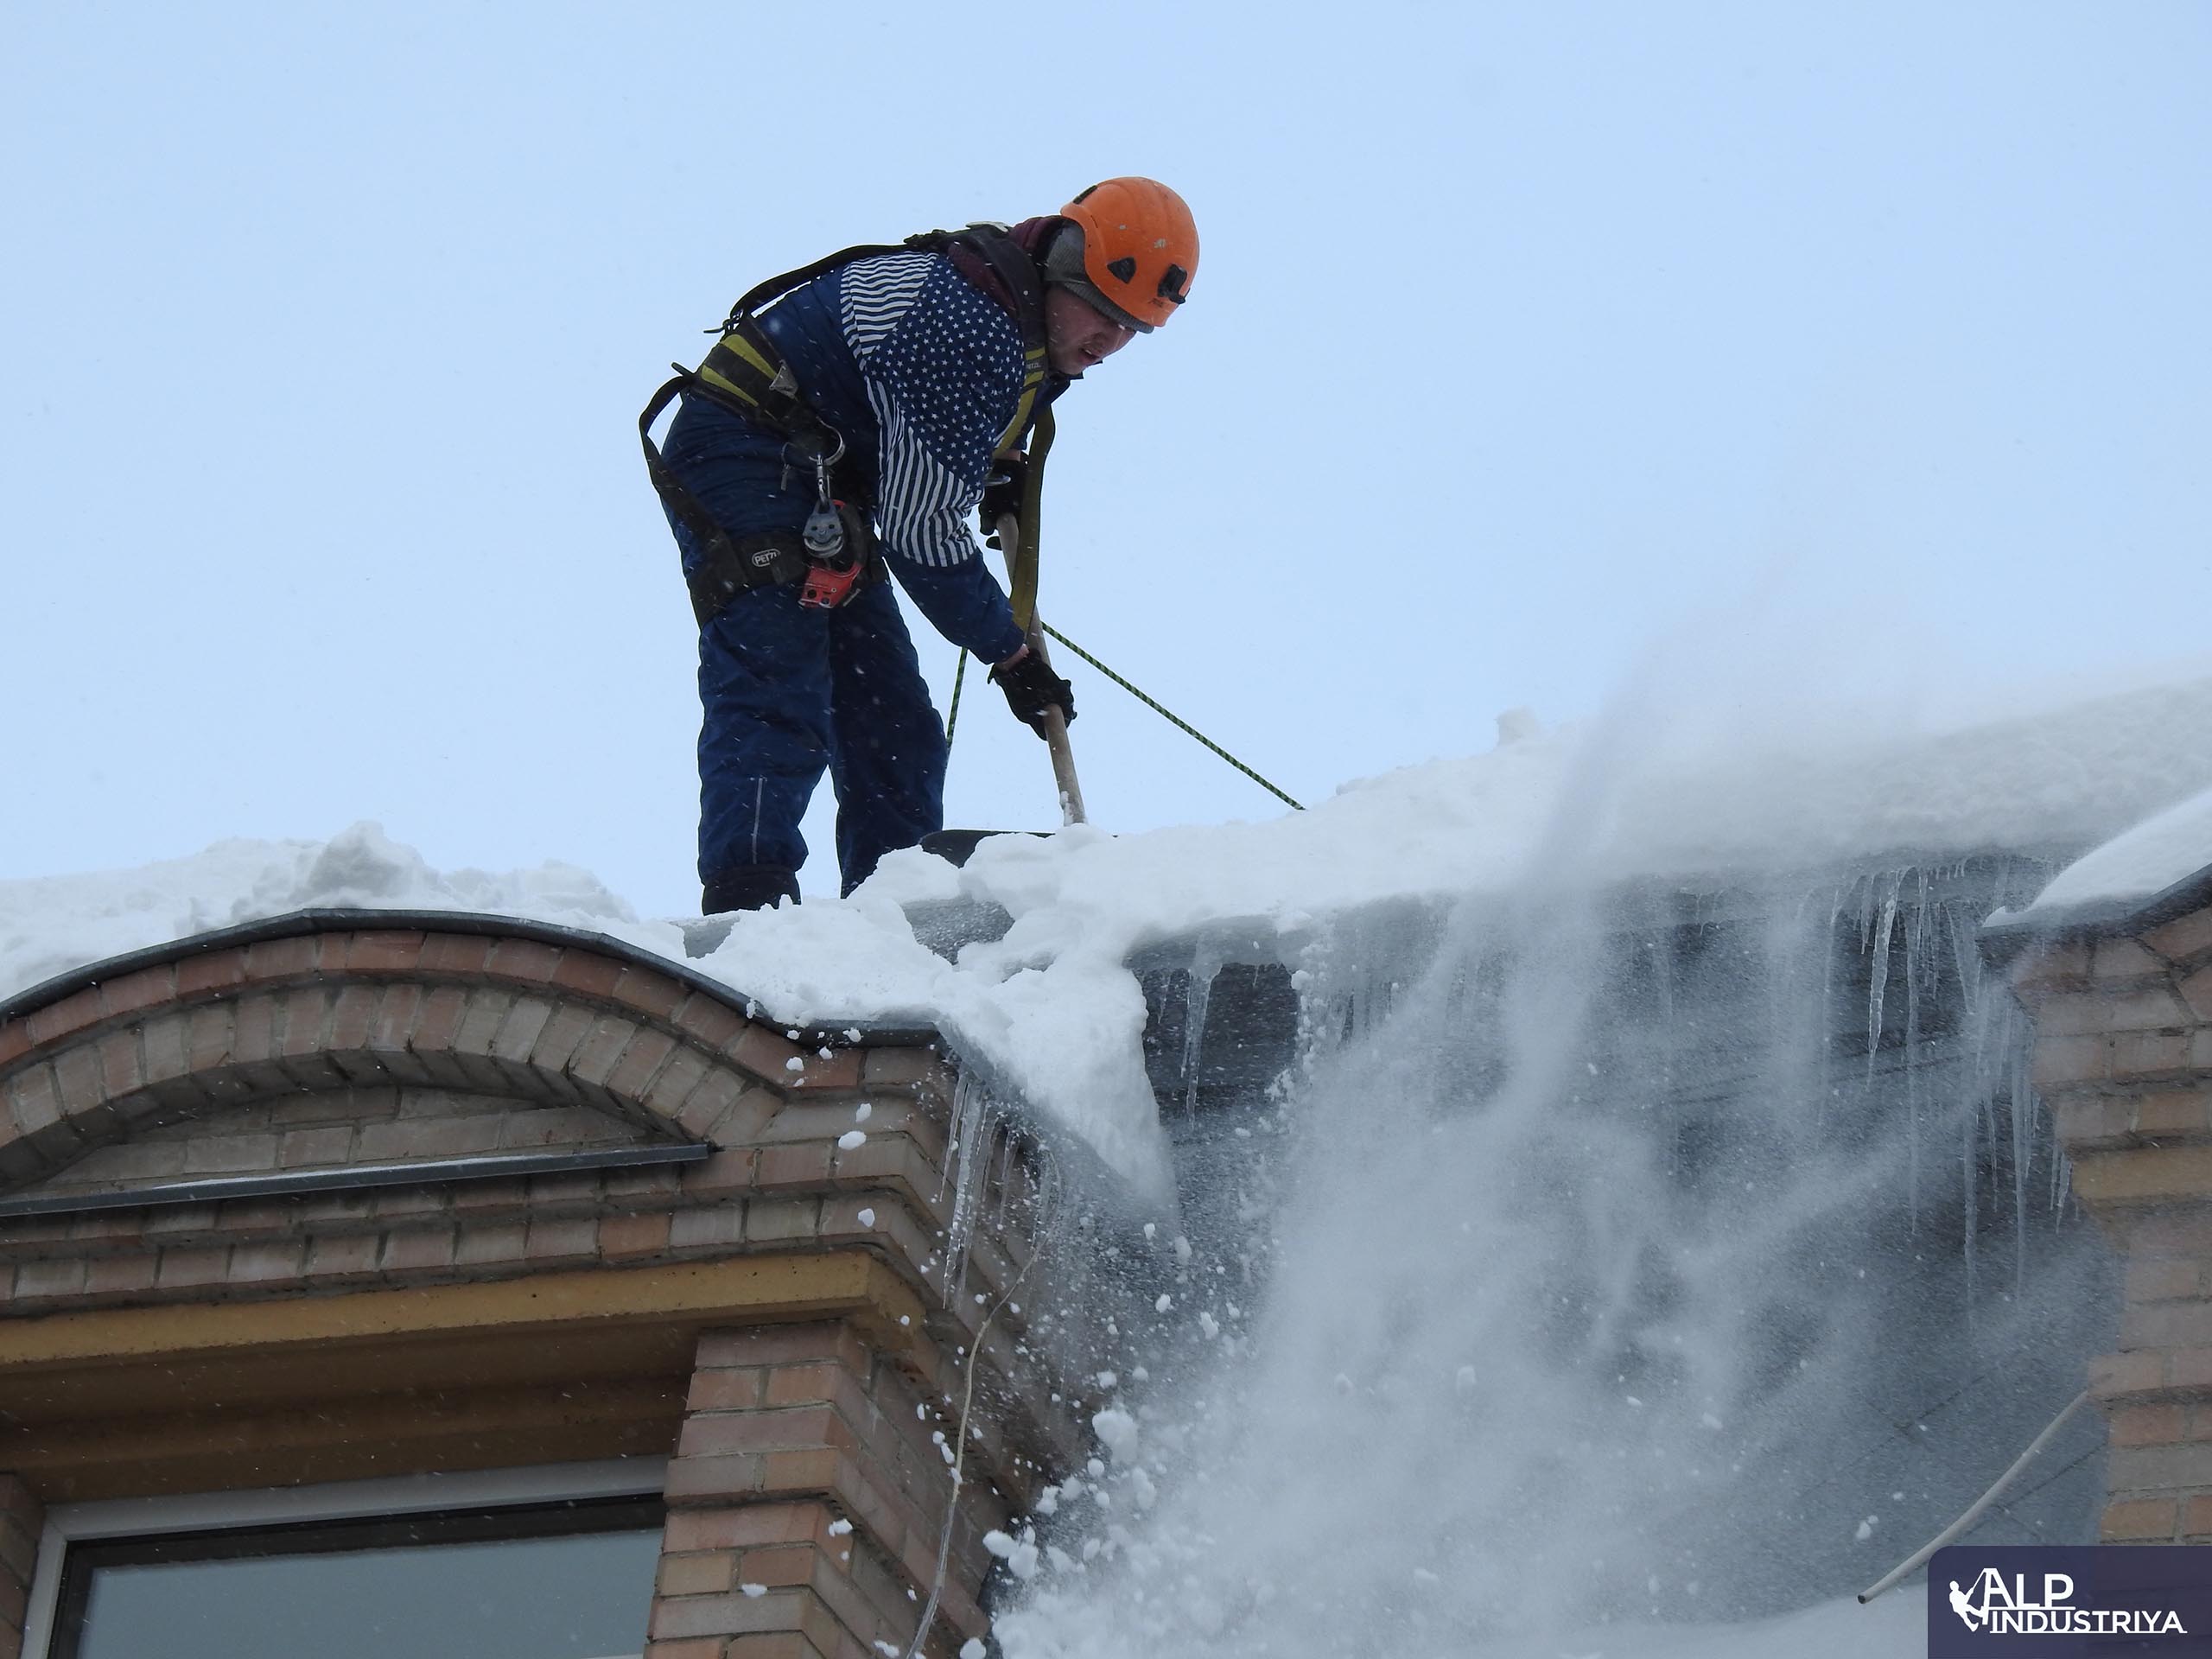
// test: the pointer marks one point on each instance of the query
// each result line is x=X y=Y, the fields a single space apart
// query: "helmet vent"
x=1124 y=268
x=1171 y=285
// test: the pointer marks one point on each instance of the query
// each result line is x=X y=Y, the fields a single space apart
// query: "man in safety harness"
x=852 y=416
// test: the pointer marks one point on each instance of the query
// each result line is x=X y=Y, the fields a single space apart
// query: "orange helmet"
x=1140 y=248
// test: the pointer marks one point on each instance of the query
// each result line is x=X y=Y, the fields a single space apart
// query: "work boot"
x=748 y=886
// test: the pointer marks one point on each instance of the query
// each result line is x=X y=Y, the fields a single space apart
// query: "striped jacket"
x=921 y=372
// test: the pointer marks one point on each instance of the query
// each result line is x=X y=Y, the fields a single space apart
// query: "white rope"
x=959 y=1472
x=1044 y=1211
x=1975 y=1513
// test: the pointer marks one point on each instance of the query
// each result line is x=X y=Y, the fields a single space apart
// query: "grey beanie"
x=1064 y=269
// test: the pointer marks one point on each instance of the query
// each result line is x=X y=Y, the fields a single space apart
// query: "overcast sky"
x=1872 y=339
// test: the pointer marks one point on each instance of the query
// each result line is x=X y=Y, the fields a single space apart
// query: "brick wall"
x=2123 y=1057
x=21 y=1518
x=279 y=1018
x=806 y=1502
x=399 y=1044
x=805 y=1464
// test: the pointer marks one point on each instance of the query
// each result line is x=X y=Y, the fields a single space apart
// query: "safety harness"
x=836 y=554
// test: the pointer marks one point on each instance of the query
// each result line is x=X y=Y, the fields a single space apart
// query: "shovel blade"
x=955 y=846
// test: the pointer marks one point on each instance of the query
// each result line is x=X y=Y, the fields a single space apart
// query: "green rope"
x=1172 y=718
x=952 y=715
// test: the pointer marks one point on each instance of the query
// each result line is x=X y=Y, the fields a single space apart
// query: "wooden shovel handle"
x=1055 y=725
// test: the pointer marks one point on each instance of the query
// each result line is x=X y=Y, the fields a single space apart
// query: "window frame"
x=336 y=1502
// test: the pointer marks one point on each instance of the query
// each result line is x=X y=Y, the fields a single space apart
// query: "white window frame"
x=349 y=1500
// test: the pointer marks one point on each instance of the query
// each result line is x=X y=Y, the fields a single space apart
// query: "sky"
x=1866 y=344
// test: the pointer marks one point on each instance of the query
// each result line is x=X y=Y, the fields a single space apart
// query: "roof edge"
x=2005 y=935
x=851 y=1034
x=1097 y=1177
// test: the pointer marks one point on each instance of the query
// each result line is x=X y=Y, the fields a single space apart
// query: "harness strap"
x=998 y=254
x=748 y=373
x=727 y=565
x=1022 y=557
x=745 y=374
x=761 y=296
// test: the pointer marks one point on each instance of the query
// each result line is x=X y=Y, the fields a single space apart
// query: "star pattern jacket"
x=921 y=372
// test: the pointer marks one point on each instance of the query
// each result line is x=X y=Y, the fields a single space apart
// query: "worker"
x=852 y=416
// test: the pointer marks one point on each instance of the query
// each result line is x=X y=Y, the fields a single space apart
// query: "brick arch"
x=328 y=1002
x=776 y=1315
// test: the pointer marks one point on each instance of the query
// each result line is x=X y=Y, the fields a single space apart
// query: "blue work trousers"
x=786 y=692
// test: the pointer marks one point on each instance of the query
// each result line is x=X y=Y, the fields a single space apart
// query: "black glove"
x=1031 y=688
x=1001 y=494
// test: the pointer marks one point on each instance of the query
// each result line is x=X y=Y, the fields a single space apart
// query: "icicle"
x=1205 y=963
x=1824 y=1066
x=1965 y=959
x=2023 y=1124
x=1987 y=1084
x=975 y=1113
x=1916 y=928
x=1969 y=1203
x=1879 y=984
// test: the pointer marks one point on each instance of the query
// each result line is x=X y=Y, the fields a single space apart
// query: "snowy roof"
x=2160 y=868
x=1052 y=1010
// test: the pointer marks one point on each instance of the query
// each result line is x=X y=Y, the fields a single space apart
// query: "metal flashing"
x=428 y=1172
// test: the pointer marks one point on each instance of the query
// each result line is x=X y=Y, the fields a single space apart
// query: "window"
x=542 y=1578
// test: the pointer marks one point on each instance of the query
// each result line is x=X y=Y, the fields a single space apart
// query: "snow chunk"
x=1117 y=1430
x=1019 y=1554
x=1518 y=726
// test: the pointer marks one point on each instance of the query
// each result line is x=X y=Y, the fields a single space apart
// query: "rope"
x=1974 y=1515
x=959 y=1480
x=960 y=676
x=1171 y=717
x=1047 y=1214
x=952 y=715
